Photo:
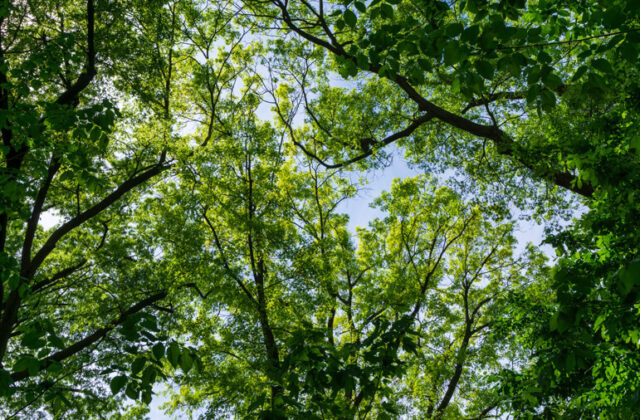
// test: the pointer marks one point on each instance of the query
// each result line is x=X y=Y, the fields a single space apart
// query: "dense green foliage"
x=172 y=183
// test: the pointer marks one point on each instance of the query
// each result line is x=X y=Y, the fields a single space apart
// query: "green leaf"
x=117 y=383
x=257 y=403
x=519 y=59
x=360 y=6
x=533 y=75
x=409 y=345
x=29 y=363
x=548 y=99
x=149 y=375
x=14 y=282
x=613 y=17
x=173 y=354
x=416 y=76
x=471 y=34
x=628 y=277
x=145 y=397
x=158 y=351
x=23 y=290
x=386 y=10
x=452 y=54
x=363 y=61
x=484 y=68
x=55 y=341
x=132 y=391
x=348 y=69
x=137 y=365
x=570 y=361
x=557 y=322
x=544 y=58
x=601 y=318
x=602 y=65
x=350 y=18
x=5 y=382
x=455 y=85
x=186 y=362
x=453 y=29
x=33 y=339
x=552 y=81
x=579 y=73
x=628 y=51
x=349 y=384
x=54 y=367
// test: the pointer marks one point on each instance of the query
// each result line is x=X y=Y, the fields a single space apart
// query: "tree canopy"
x=173 y=182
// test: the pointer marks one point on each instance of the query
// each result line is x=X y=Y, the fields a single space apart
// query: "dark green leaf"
x=117 y=383
x=471 y=34
x=628 y=51
x=145 y=396
x=548 y=99
x=132 y=391
x=453 y=29
x=137 y=365
x=552 y=81
x=173 y=354
x=544 y=58
x=158 y=351
x=484 y=68
x=149 y=375
x=186 y=361
x=257 y=403
x=386 y=10
x=350 y=18
x=579 y=73
x=602 y=65
x=452 y=54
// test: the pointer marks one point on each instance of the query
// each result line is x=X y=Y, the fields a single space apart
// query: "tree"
x=587 y=342
x=503 y=57
x=464 y=85
x=526 y=105
x=291 y=319
x=91 y=106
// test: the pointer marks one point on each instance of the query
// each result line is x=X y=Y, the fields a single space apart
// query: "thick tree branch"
x=483 y=414
x=90 y=339
x=14 y=162
x=70 y=96
x=505 y=145
x=407 y=131
x=94 y=210
x=457 y=373
x=32 y=224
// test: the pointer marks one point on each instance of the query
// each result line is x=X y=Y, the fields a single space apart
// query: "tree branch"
x=94 y=210
x=407 y=131
x=506 y=145
x=224 y=260
x=90 y=339
x=32 y=224
x=58 y=276
x=70 y=96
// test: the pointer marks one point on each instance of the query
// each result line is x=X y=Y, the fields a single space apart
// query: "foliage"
x=83 y=131
x=172 y=175
x=587 y=342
